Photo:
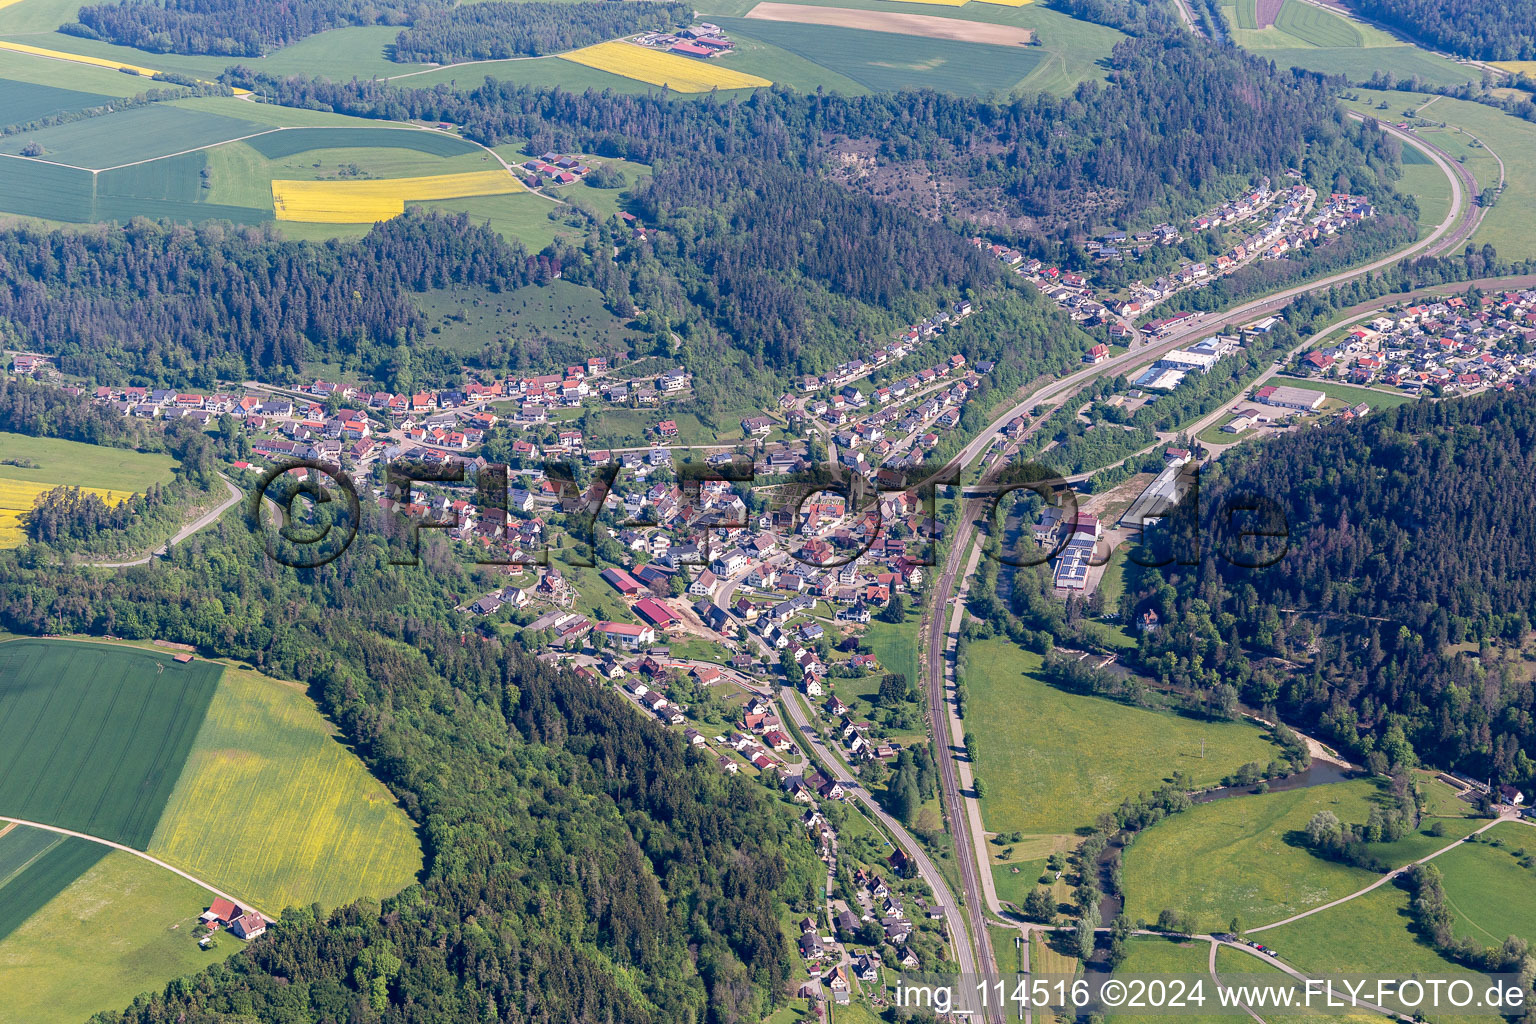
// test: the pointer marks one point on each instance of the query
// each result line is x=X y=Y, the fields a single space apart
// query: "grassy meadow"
x=1491 y=885
x=1053 y=761
x=1242 y=857
x=120 y=927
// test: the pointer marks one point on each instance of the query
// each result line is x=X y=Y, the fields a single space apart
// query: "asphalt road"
x=1459 y=223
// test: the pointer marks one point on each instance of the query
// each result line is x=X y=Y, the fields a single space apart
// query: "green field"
x=1309 y=37
x=1073 y=51
x=1244 y=856
x=882 y=61
x=573 y=316
x=127 y=745
x=83 y=465
x=1350 y=394
x=1166 y=958
x=1369 y=935
x=93 y=737
x=321 y=828
x=1491 y=893
x=895 y=647
x=21 y=102
x=120 y=927
x=1316 y=26
x=35 y=866
x=1054 y=761
x=125 y=136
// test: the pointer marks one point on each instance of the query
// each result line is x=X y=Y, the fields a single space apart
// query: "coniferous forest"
x=231 y=28
x=498 y=31
x=1396 y=617
x=1468 y=28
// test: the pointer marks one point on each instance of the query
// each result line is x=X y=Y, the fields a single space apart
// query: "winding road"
x=204 y=520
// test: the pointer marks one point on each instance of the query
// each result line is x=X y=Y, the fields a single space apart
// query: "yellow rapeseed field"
x=368 y=200
x=680 y=74
x=78 y=58
x=270 y=807
x=18 y=496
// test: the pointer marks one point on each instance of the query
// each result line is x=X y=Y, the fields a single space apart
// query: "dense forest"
x=777 y=258
x=1505 y=30
x=1397 y=617
x=498 y=31
x=1178 y=122
x=582 y=864
x=164 y=305
x=231 y=28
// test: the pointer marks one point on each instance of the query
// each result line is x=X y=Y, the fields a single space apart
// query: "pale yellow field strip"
x=369 y=200
x=1516 y=67
x=933 y=3
x=928 y=26
x=681 y=74
x=80 y=58
x=1006 y=3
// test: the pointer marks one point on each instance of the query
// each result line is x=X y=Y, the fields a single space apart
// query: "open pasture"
x=35 y=866
x=118 y=927
x=1492 y=889
x=1053 y=761
x=93 y=737
x=680 y=74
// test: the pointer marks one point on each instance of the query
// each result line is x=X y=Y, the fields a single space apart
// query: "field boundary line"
x=200 y=883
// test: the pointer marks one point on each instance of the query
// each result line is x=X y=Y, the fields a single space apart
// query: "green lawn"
x=93 y=737
x=1506 y=224
x=1244 y=856
x=122 y=927
x=329 y=832
x=1493 y=894
x=1053 y=761
x=895 y=647
x=83 y=465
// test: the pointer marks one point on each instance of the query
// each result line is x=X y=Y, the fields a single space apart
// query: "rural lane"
x=156 y=861
x=1389 y=876
x=207 y=518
